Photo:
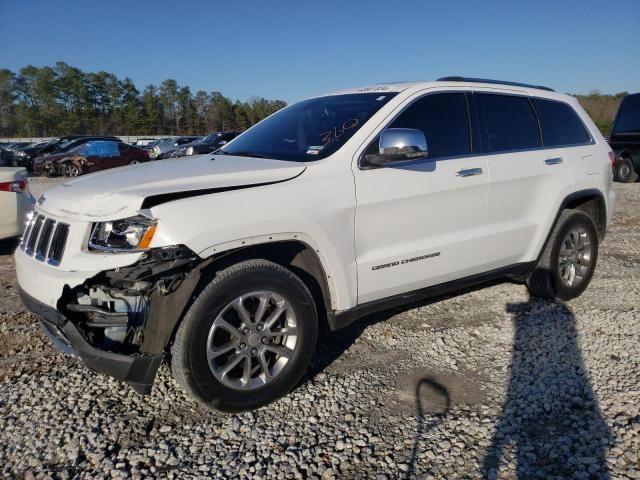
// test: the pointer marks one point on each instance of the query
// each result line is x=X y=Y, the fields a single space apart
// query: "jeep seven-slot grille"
x=45 y=239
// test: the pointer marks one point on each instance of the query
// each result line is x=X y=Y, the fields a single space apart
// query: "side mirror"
x=400 y=145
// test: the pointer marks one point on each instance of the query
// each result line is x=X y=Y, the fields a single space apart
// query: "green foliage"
x=601 y=108
x=64 y=100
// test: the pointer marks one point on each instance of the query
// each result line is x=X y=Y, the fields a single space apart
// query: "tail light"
x=612 y=158
x=17 y=186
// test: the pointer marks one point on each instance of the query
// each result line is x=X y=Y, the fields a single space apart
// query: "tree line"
x=601 y=108
x=63 y=100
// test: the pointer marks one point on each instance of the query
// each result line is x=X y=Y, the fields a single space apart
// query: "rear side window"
x=628 y=118
x=511 y=122
x=560 y=124
x=444 y=119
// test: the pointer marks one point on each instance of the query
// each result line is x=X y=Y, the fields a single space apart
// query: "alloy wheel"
x=71 y=170
x=251 y=340
x=576 y=251
x=624 y=170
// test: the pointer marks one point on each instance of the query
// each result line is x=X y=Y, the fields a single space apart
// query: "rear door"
x=527 y=180
x=422 y=223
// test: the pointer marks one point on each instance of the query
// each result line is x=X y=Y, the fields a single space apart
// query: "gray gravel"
x=485 y=384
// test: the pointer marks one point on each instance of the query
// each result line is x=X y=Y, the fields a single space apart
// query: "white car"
x=15 y=201
x=329 y=209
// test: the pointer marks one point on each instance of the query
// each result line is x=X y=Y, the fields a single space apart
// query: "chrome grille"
x=45 y=239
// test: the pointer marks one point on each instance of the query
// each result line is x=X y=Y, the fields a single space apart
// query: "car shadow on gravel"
x=332 y=345
x=551 y=425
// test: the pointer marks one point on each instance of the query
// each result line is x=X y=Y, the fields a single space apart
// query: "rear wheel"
x=569 y=258
x=624 y=171
x=247 y=338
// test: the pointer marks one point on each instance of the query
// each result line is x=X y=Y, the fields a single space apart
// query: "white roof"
x=416 y=86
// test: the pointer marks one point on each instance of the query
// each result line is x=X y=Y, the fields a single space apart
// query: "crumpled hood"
x=53 y=157
x=119 y=193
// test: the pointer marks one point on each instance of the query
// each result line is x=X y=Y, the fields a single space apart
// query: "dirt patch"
x=434 y=392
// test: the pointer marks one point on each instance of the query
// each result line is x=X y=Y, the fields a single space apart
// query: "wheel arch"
x=590 y=201
x=294 y=254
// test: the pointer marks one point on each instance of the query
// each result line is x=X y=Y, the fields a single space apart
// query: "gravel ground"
x=485 y=384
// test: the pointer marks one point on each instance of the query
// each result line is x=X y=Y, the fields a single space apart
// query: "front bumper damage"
x=86 y=317
x=138 y=371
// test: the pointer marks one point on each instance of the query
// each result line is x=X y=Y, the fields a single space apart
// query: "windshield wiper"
x=243 y=153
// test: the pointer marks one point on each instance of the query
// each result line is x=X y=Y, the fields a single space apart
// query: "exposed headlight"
x=189 y=151
x=126 y=235
x=21 y=154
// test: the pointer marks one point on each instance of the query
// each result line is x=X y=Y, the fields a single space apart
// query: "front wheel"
x=71 y=171
x=247 y=339
x=568 y=260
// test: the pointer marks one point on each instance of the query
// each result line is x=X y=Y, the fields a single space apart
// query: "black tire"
x=546 y=281
x=189 y=360
x=624 y=171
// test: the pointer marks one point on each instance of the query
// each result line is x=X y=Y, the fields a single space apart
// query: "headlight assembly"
x=189 y=151
x=132 y=234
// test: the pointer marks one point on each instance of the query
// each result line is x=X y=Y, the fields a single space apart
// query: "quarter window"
x=560 y=124
x=444 y=119
x=511 y=122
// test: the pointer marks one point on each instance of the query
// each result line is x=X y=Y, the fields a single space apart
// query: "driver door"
x=423 y=223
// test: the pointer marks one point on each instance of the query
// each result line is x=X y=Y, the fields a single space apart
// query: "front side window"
x=560 y=124
x=628 y=118
x=308 y=130
x=510 y=121
x=444 y=120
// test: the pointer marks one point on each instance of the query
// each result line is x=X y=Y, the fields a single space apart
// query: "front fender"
x=317 y=209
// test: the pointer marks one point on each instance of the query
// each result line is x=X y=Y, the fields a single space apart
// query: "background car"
x=144 y=142
x=15 y=201
x=90 y=157
x=7 y=150
x=170 y=144
x=625 y=139
x=26 y=156
x=207 y=144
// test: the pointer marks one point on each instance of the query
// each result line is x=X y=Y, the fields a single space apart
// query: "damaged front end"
x=121 y=321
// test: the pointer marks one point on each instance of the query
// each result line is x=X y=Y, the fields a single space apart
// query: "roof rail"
x=498 y=82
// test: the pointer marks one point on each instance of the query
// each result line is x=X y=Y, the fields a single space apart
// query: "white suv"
x=327 y=210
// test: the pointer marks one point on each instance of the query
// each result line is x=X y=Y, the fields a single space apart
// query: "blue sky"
x=293 y=49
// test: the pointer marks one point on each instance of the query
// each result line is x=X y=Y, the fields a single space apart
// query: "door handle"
x=553 y=161
x=469 y=172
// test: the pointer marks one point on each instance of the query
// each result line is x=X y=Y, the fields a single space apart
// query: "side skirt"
x=517 y=272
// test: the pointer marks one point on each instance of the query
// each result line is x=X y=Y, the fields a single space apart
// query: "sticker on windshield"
x=381 y=97
x=314 y=149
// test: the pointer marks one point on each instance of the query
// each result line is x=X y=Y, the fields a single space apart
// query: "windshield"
x=628 y=119
x=65 y=142
x=211 y=138
x=308 y=130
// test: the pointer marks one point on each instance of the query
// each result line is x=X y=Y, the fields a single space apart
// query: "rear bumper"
x=138 y=371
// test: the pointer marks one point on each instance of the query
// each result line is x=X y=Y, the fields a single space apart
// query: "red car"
x=90 y=157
